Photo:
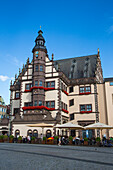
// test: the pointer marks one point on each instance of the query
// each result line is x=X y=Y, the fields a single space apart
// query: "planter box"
x=1 y=140
x=33 y=142
x=70 y=142
x=43 y=142
x=10 y=141
x=19 y=141
x=50 y=142
x=85 y=143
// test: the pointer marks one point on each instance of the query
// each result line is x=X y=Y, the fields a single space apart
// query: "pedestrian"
x=59 y=143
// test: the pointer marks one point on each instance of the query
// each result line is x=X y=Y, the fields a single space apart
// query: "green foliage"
x=56 y=137
x=1 y=136
x=85 y=139
x=5 y=137
x=70 y=138
x=98 y=139
x=33 y=138
x=20 y=138
x=44 y=138
x=11 y=136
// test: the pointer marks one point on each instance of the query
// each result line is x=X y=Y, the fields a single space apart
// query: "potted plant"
x=32 y=139
x=44 y=140
x=20 y=139
x=11 y=137
x=98 y=141
x=5 y=138
x=55 y=140
x=70 y=140
x=86 y=141
x=1 y=138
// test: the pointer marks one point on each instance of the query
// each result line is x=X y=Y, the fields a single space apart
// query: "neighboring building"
x=3 y=117
x=3 y=108
x=54 y=92
x=108 y=87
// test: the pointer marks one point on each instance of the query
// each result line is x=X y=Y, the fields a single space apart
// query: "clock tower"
x=38 y=81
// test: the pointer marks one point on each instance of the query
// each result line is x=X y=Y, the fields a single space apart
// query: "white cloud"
x=4 y=78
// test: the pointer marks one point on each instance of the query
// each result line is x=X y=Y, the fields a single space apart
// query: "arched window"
x=17 y=133
x=35 y=133
x=29 y=132
x=48 y=133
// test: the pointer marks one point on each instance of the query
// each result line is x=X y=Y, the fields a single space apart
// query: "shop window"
x=35 y=133
x=71 y=102
x=17 y=133
x=48 y=133
x=29 y=133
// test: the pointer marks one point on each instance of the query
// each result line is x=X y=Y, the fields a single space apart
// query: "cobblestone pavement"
x=50 y=157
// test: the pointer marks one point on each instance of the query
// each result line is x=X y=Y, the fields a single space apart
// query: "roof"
x=108 y=79
x=78 y=67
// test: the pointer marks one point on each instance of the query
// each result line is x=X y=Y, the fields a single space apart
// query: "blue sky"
x=71 y=28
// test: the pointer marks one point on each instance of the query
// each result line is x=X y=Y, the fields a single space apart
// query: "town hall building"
x=53 y=92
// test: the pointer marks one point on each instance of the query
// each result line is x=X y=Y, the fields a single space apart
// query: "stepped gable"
x=78 y=67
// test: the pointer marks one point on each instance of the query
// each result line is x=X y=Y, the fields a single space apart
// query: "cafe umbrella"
x=99 y=126
x=42 y=125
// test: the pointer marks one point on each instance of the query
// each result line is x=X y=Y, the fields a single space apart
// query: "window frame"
x=36 y=68
x=111 y=83
x=37 y=83
x=71 y=89
x=40 y=81
x=72 y=116
x=16 y=95
x=40 y=101
x=85 y=91
x=70 y=102
x=86 y=110
x=41 y=67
